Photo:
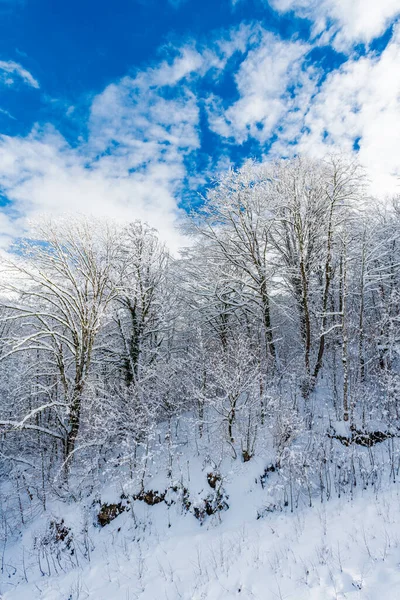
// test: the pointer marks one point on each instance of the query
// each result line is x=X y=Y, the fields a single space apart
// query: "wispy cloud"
x=141 y=130
x=344 y=22
x=7 y=114
x=132 y=164
x=361 y=101
x=271 y=82
x=145 y=130
x=9 y=70
x=286 y=100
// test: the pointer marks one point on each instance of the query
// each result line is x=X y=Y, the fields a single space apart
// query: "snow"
x=343 y=548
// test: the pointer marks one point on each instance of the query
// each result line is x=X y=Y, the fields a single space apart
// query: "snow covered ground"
x=344 y=548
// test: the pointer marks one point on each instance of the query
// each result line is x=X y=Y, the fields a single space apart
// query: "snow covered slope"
x=344 y=548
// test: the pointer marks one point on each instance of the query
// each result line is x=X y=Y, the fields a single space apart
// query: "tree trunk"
x=73 y=430
x=270 y=345
x=343 y=270
x=325 y=296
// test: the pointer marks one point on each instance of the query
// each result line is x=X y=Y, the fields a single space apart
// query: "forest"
x=271 y=339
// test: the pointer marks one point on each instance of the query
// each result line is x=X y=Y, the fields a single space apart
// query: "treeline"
x=283 y=310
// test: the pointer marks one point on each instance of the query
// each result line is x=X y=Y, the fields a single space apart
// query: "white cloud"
x=132 y=164
x=281 y=94
x=344 y=21
x=142 y=128
x=42 y=173
x=7 y=114
x=271 y=83
x=9 y=69
x=8 y=231
x=361 y=100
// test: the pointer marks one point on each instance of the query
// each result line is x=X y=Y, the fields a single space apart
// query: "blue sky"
x=127 y=109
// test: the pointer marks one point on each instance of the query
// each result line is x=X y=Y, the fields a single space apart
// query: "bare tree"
x=58 y=287
x=235 y=221
x=297 y=198
x=143 y=301
x=343 y=189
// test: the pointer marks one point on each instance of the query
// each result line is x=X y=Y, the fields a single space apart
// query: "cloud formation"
x=144 y=131
x=271 y=84
x=132 y=164
x=10 y=70
x=286 y=99
x=360 y=102
x=344 y=22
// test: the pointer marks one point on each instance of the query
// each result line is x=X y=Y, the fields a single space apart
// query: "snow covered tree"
x=57 y=287
x=234 y=220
